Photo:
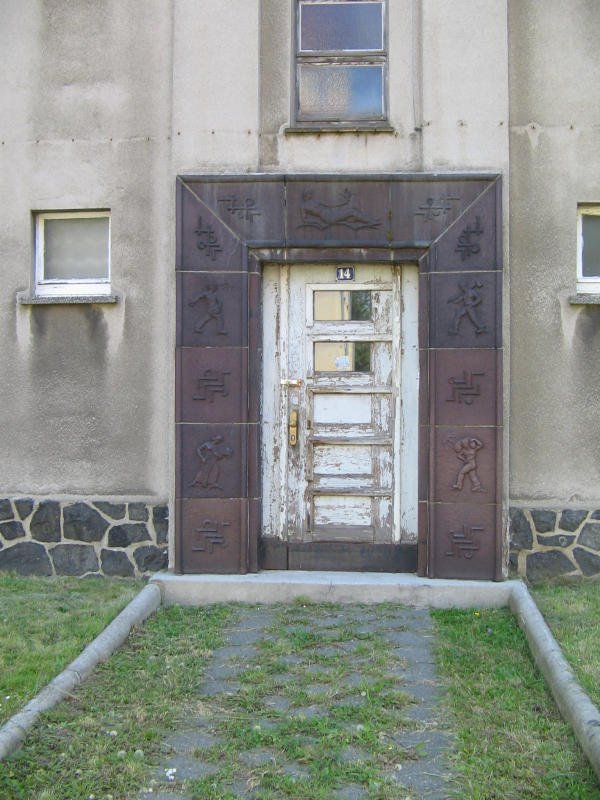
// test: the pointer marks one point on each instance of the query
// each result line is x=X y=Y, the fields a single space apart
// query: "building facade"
x=300 y=284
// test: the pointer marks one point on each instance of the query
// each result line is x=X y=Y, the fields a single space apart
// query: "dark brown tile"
x=204 y=242
x=329 y=211
x=253 y=209
x=254 y=529
x=213 y=310
x=212 y=536
x=423 y=538
x=254 y=311
x=255 y=369
x=213 y=460
x=464 y=465
x=213 y=384
x=465 y=310
x=424 y=310
x=424 y=367
x=464 y=386
x=470 y=243
x=253 y=460
x=424 y=461
x=423 y=210
x=463 y=541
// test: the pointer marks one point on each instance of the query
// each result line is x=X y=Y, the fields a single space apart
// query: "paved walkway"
x=313 y=701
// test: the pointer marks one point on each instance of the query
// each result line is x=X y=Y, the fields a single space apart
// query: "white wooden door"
x=340 y=389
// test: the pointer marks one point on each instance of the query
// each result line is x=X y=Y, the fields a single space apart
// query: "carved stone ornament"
x=466 y=450
x=209 y=536
x=213 y=310
x=434 y=208
x=465 y=389
x=210 y=384
x=467 y=301
x=467 y=245
x=246 y=209
x=211 y=453
x=463 y=544
x=323 y=216
x=207 y=240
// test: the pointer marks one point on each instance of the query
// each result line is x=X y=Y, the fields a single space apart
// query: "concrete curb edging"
x=103 y=646
x=573 y=703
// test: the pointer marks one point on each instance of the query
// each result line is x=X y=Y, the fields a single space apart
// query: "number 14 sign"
x=344 y=273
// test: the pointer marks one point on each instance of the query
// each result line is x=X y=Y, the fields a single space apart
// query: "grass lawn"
x=45 y=623
x=510 y=740
x=572 y=611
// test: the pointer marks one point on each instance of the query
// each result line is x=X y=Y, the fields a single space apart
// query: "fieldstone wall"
x=52 y=537
x=549 y=543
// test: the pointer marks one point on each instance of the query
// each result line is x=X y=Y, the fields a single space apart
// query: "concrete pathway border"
x=103 y=646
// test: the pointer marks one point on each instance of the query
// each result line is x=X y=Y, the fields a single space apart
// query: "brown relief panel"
x=204 y=242
x=465 y=310
x=464 y=541
x=323 y=212
x=253 y=210
x=211 y=460
x=465 y=385
x=423 y=210
x=212 y=310
x=470 y=243
x=465 y=465
x=212 y=385
x=212 y=536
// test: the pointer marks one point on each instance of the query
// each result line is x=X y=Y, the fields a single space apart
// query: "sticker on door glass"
x=342 y=356
x=342 y=305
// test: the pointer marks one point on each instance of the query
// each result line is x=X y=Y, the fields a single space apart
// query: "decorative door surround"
x=227 y=227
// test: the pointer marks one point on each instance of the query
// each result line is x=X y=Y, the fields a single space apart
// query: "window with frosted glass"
x=72 y=252
x=590 y=246
x=341 y=61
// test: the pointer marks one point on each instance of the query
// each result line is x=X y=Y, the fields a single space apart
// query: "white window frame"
x=68 y=287
x=586 y=284
x=341 y=57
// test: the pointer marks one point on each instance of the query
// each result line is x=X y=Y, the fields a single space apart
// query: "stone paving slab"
x=272 y=648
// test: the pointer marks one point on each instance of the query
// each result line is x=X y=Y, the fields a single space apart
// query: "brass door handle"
x=293 y=428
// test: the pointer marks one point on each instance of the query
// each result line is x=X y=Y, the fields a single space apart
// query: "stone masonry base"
x=554 y=543
x=59 y=537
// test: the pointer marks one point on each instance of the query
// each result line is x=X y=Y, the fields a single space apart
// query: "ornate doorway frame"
x=227 y=227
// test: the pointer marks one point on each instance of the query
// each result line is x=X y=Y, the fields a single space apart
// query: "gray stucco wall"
x=105 y=103
x=86 y=98
x=555 y=141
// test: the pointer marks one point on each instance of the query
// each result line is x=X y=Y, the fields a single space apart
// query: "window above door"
x=341 y=63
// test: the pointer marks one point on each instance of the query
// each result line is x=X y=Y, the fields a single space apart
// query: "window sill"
x=27 y=299
x=357 y=127
x=584 y=299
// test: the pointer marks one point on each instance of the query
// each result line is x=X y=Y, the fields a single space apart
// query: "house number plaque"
x=344 y=274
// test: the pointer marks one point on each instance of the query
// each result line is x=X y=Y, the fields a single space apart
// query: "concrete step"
x=284 y=586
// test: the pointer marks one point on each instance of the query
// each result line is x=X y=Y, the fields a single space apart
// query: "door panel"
x=336 y=377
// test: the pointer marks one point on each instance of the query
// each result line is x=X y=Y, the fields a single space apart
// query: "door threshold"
x=337 y=556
